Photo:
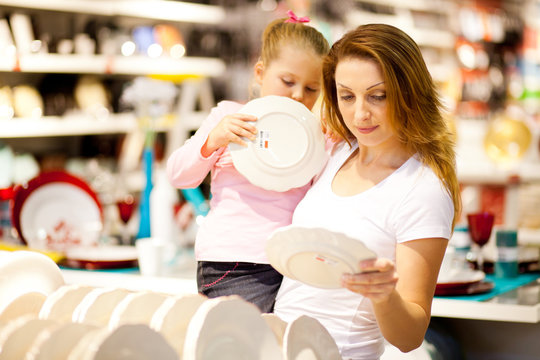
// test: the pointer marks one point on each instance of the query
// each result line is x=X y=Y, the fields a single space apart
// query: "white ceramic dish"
x=89 y=341
x=136 y=307
x=27 y=271
x=315 y=256
x=172 y=318
x=460 y=276
x=61 y=304
x=17 y=337
x=277 y=326
x=229 y=328
x=290 y=147
x=98 y=305
x=25 y=304
x=56 y=210
x=128 y=341
x=57 y=342
x=101 y=257
x=307 y=338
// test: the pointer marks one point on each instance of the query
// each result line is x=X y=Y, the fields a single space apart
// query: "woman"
x=390 y=182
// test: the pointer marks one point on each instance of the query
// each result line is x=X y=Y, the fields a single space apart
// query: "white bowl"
x=27 y=271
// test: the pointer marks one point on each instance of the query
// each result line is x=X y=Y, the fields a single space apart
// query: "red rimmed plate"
x=462 y=282
x=101 y=257
x=478 y=287
x=57 y=210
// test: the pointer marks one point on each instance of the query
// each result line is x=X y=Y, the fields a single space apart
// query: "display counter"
x=520 y=304
x=505 y=326
x=132 y=280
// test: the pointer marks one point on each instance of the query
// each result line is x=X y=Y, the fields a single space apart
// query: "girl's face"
x=361 y=95
x=296 y=74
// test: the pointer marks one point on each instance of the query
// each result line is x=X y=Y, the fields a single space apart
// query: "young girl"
x=230 y=244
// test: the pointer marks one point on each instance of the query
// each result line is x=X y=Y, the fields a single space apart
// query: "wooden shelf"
x=148 y=9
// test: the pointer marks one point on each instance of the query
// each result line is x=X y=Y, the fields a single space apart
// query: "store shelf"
x=180 y=283
x=402 y=19
x=66 y=126
x=83 y=124
x=485 y=311
x=148 y=9
x=207 y=67
x=440 y=6
x=101 y=64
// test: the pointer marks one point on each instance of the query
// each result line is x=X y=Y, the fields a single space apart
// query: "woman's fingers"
x=376 y=280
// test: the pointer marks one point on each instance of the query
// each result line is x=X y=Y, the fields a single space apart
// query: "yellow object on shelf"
x=53 y=255
x=507 y=140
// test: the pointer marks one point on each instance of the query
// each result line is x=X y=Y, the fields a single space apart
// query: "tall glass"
x=126 y=206
x=480 y=226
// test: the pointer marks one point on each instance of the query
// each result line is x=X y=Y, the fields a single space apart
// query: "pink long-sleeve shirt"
x=242 y=215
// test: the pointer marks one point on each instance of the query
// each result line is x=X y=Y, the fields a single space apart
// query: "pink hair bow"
x=295 y=19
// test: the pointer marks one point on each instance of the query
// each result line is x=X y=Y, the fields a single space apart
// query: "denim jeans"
x=256 y=283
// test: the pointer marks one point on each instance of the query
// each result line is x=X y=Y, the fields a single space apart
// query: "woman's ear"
x=258 y=72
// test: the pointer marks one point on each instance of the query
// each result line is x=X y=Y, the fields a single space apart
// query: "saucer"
x=98 y=305
x=229 y=328
x=61 y=304
x=315 y=256
x=307 y=338
x=27 y=271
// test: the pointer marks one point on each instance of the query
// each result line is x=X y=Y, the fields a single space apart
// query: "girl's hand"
x=230 y=129
x=376 y=281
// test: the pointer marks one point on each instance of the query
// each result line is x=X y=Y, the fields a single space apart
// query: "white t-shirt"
x=409 y=204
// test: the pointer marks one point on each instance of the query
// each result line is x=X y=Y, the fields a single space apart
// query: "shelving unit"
x=78 y=123
x=149 y=9
x=112 y=65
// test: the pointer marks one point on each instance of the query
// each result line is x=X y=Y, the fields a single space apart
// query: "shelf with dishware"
x=112 y=65
x=157 y=10
x=48 y=61
x=515 y=306
x=83 y=124
x=505 y=325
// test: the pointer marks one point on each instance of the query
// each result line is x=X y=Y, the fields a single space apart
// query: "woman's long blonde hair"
x=414 y=107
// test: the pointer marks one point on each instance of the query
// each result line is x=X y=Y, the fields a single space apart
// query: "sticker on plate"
x=263 y=139
x=325 y=260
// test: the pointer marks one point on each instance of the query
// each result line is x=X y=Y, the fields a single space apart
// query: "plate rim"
x=24 y=191
x=294 y=171
x=448 y=284
x=278 y=259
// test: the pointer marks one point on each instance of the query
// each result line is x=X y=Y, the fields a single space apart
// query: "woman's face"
x=296 y=74
x=361 y=95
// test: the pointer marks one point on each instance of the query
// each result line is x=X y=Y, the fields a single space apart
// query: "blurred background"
x=65 y=67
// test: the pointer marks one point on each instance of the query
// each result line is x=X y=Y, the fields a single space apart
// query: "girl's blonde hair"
x=414 y=107
x=279 y=33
